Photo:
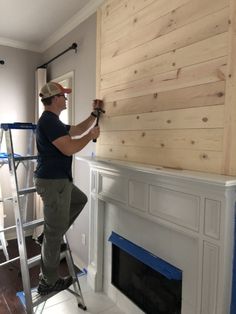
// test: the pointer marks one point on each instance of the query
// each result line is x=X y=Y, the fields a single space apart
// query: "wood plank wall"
x=165 y=72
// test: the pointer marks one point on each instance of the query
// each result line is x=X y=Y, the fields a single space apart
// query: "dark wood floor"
x=10 y=277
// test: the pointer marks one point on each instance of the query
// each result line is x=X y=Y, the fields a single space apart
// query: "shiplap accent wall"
x=166 y=72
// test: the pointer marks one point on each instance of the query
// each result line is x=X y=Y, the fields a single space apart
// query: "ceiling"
x=37 y=24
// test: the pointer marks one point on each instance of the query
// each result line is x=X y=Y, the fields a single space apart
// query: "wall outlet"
x=83 y=239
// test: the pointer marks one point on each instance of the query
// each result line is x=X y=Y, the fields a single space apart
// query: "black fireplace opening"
x=153 y=291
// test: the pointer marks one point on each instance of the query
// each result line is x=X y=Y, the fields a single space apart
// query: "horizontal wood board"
x=163 y=71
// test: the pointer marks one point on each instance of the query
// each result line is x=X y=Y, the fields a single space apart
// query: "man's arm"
x=86 y=124
x=82 y=126
x=68 y=146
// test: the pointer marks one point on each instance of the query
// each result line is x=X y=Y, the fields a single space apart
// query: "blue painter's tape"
x=156 y=263
x=5 y=155
x=233 y=294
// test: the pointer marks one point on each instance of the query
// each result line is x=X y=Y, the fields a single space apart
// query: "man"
x=62 y=200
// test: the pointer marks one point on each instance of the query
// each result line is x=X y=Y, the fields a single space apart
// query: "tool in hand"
x=99 y=111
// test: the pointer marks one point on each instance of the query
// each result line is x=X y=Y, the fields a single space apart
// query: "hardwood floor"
x=10 y=277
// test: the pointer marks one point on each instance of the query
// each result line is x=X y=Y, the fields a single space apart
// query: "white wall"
x=83 y=63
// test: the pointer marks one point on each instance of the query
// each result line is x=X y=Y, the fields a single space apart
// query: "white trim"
x=18 y=44
x=77 y=19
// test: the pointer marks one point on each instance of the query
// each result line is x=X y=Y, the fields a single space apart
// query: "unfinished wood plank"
x=206 y=72
x=229 y=160
x=175 y=158
x=192 y=139
x=203 y=117
x=209 y=26
x=210 y=48
x=196 y=96
x=98 y=54
x=114 y=29
x=139 y=5
x=143 y=31
x=115 y=12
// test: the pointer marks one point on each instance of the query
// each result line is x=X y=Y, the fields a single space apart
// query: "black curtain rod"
x=73 y=46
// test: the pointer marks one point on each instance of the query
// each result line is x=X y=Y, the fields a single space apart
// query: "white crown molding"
x=77 y=19
x=18 y=44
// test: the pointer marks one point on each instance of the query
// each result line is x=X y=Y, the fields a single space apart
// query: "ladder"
x=34 y=302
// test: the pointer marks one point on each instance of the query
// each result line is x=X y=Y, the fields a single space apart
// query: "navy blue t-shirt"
x=52 y=164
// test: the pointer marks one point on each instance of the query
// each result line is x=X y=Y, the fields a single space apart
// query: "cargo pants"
x=62 y=202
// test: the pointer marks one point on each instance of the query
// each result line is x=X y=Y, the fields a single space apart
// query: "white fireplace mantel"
x=184 y=217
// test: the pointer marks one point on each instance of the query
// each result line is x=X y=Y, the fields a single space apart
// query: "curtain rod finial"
x=74 y=46
x=2 y=62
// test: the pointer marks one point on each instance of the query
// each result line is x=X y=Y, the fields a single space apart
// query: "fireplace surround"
x=185 y=218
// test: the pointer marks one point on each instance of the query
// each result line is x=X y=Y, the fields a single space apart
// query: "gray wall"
x=17 y=84
x=83 y=63
x=17 y=103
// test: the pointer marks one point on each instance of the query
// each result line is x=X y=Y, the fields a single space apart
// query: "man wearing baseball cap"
x=62 y=200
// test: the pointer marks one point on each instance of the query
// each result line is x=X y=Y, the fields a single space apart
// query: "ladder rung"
x=33 y=224
x=34 y=261
x=22 y=158
x=10 y=261
x=38 y=299
x=8 y=228
x=18 y=125
x=27 y=191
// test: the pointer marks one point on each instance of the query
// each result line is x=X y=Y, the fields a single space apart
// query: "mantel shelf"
x=197 y=176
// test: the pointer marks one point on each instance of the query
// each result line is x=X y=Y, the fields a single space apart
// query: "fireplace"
x=152 y=284
x=184 y=218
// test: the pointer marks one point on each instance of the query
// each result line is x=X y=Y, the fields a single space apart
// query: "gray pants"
x=63 y=202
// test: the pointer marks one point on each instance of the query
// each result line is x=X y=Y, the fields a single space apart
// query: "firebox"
x=153 y=284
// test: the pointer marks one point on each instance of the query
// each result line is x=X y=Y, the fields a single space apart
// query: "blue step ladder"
x=32 y=301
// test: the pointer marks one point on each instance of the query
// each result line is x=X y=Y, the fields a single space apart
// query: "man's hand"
x=94 y=132
x=98 y=104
